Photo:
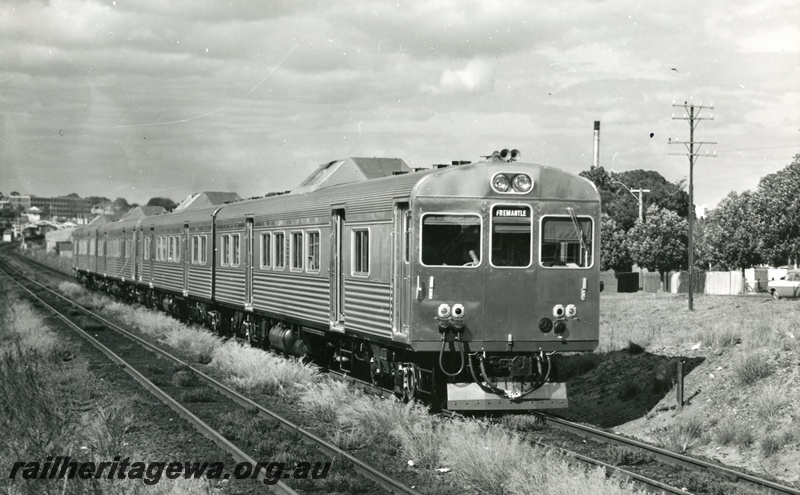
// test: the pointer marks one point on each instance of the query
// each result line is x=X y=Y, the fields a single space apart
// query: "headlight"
x=500 y=183
x=522 y=183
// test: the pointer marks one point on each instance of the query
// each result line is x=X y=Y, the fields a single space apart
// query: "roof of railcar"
x=469 y=180
x=116 y=227
x=192 y=217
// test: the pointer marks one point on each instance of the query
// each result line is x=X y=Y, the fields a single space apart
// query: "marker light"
x=500 y=183
x=558 y=311
x=522 y=183
x=443 y=311
x=571 y=311
x=458 y=311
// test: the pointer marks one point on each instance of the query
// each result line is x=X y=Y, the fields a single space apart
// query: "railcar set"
x=454 y=284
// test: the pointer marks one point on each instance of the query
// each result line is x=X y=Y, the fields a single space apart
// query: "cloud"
x=477 y=76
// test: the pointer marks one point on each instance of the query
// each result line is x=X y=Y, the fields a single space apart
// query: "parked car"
x=788 y=286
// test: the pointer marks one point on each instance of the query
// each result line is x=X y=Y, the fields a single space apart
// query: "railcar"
x=454 y=284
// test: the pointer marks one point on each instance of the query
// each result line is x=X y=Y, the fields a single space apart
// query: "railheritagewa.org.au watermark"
x=63 y=467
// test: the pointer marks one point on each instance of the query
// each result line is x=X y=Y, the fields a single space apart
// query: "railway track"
x=381 y=479
x=663 y=457
x=651 y=484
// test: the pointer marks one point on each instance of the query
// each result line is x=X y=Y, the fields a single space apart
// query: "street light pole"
x=640 y=191
x=641 y=216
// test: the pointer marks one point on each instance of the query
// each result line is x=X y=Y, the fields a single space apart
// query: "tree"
x=98 y=200
x=14 y=193
x=659 y=243
x=623 y=207
x=73 y=195
x=776 y=205
x=614 y=254
x=166 y=203
x=732 y=234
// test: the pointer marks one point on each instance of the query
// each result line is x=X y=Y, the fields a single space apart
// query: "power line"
x=692 y=114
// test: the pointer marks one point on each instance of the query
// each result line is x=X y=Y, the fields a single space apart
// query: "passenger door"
x=401 y=272
x=248 y=264
x=336 y=270
x=187 y=248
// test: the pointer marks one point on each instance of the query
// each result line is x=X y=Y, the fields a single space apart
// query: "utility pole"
x=692 y=114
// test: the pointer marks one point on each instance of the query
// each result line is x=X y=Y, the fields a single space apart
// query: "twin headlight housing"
x=512 y=183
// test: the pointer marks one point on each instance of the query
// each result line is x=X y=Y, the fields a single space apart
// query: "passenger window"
x=360 y=252
x=202 y=251
x=225 y=250
x=511 y=236
x=266 y=239
x=278 y=261
x=312 y=250
x=235 y=250
x=566 y=242
x=451 y=240
x=297 y=251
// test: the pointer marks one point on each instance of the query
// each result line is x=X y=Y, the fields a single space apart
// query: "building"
x=59 y=241
x=61 y=206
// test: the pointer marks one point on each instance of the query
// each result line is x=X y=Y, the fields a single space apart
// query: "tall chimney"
x=596 y=144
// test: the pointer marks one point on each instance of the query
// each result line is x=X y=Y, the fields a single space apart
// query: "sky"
x=153 y=98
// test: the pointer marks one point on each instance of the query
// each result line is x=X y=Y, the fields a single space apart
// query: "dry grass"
x=363 y=421
x=256 y=370
x=663 y=319
x=354 y=418
x=71 y=289
x=733 y=432
x=50 y=407
x=748 y=387
x=751 y=367
x=687 y=431
x=24 y=329
x=488 y=459
x=420 y=442
x=197 y=344
x=770 y=403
